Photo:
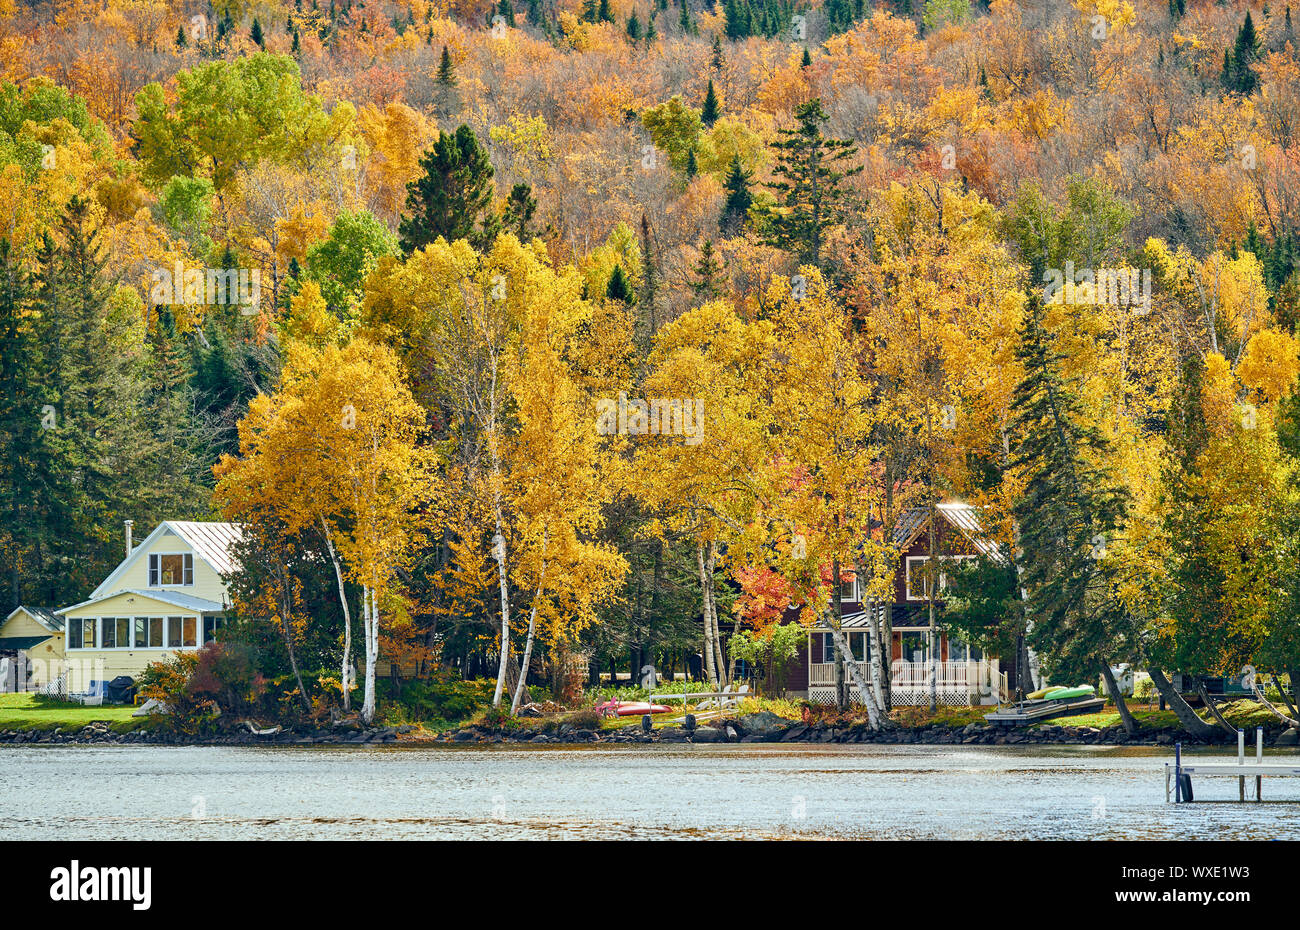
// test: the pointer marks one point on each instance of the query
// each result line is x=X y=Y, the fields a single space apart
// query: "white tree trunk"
x=370 y=623
x=868 y=698
x=499 y=551
x=709 y=668
x=346 y=666
x=521 y=686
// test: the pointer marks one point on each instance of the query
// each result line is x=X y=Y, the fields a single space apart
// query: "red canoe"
x=632 y=708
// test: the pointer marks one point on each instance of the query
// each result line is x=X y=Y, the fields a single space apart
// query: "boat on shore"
x=1048 y=702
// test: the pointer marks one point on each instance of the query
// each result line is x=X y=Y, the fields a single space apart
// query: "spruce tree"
x=809 y=184
x=618 y=287
x=708 y=273
x=1069 y=510
x=256 y=34
x=446 y=70
x=453 y=196
x=735 y=209
x=634 y=27
x=717 y=61
x=182 y=40
x=710 y=112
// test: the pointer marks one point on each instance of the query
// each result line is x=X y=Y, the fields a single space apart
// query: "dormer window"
x=170 y=569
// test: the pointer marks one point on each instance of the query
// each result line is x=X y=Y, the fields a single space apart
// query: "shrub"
x=588 y=718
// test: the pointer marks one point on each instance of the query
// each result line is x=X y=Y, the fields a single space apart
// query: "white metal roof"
x=43 y=615
x=176 y=598
x=211 y=542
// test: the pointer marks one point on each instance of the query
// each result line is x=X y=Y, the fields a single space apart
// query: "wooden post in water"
x=1241 y=760
x=1178 y=773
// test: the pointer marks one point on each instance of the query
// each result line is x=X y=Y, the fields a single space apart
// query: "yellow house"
x=37 y=633
x=166 y=596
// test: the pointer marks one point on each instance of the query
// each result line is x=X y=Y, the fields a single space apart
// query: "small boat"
x=1049 y=702
x=631 y=708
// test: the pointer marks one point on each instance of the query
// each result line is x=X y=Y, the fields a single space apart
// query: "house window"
x=189 y=631
x=115 y=633
x=81 y=633
x=849 y=590
x=173 y=632
x=171 y=569
x=918 y=583
x=148 y=632
x=210 y=627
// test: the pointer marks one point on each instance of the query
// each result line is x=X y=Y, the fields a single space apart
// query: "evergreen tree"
x=710 y=113
x=735 y=209
x=809 y=184
x=256 y=34
x=446 y=70
x=534 y=12
x=648 y=320
x=618 y=287
x=1069 y=509
x=685 y=19
x=296 y=47
x=1237 y=73
x=453 y=197
x=717 y=61
x=634 y=27
x=708 y=284
x=806 y=60
x=182 y=40
x=519 y=210
x=692 y=165
x=603 y=13
x=506 y=10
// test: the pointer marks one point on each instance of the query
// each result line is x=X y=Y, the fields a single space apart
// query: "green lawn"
x=22 y=712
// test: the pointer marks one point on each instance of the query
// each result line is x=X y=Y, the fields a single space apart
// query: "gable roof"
x=959 y=515
x=42 y=615
x=211 y=542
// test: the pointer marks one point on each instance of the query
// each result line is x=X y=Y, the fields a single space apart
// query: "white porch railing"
x=955 y=682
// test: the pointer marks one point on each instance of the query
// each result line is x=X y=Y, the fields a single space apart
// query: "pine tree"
x=618 y=287
x=534 y=12
x=717 y=61
x=446 y=70
x=182 y=40
x=685 y=19
x=603 y=13
x=708 y=272
x=806 y=60
x=519 y=209
x=648 y=319
x=735 y=209
x=692 y=165
x=1237 y=73
x=506 y=10
x=634 y=27
x=296 y=47
x=453 y=196
x=709 y=114
x=256 y=34
x=809 y=184
x=1069 y=509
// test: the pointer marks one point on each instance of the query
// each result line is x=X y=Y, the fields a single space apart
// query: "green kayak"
x=1083 y=691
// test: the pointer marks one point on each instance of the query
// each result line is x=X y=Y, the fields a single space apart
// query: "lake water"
x=598 y=792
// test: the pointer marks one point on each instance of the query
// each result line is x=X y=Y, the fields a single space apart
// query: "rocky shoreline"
x=753 y=728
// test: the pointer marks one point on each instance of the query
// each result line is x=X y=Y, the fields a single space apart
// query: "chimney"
x=128 y=524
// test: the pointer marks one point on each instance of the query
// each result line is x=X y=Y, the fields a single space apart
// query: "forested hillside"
x=391 y=283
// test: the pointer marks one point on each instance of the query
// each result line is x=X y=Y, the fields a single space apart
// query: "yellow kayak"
x=1043 y=692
